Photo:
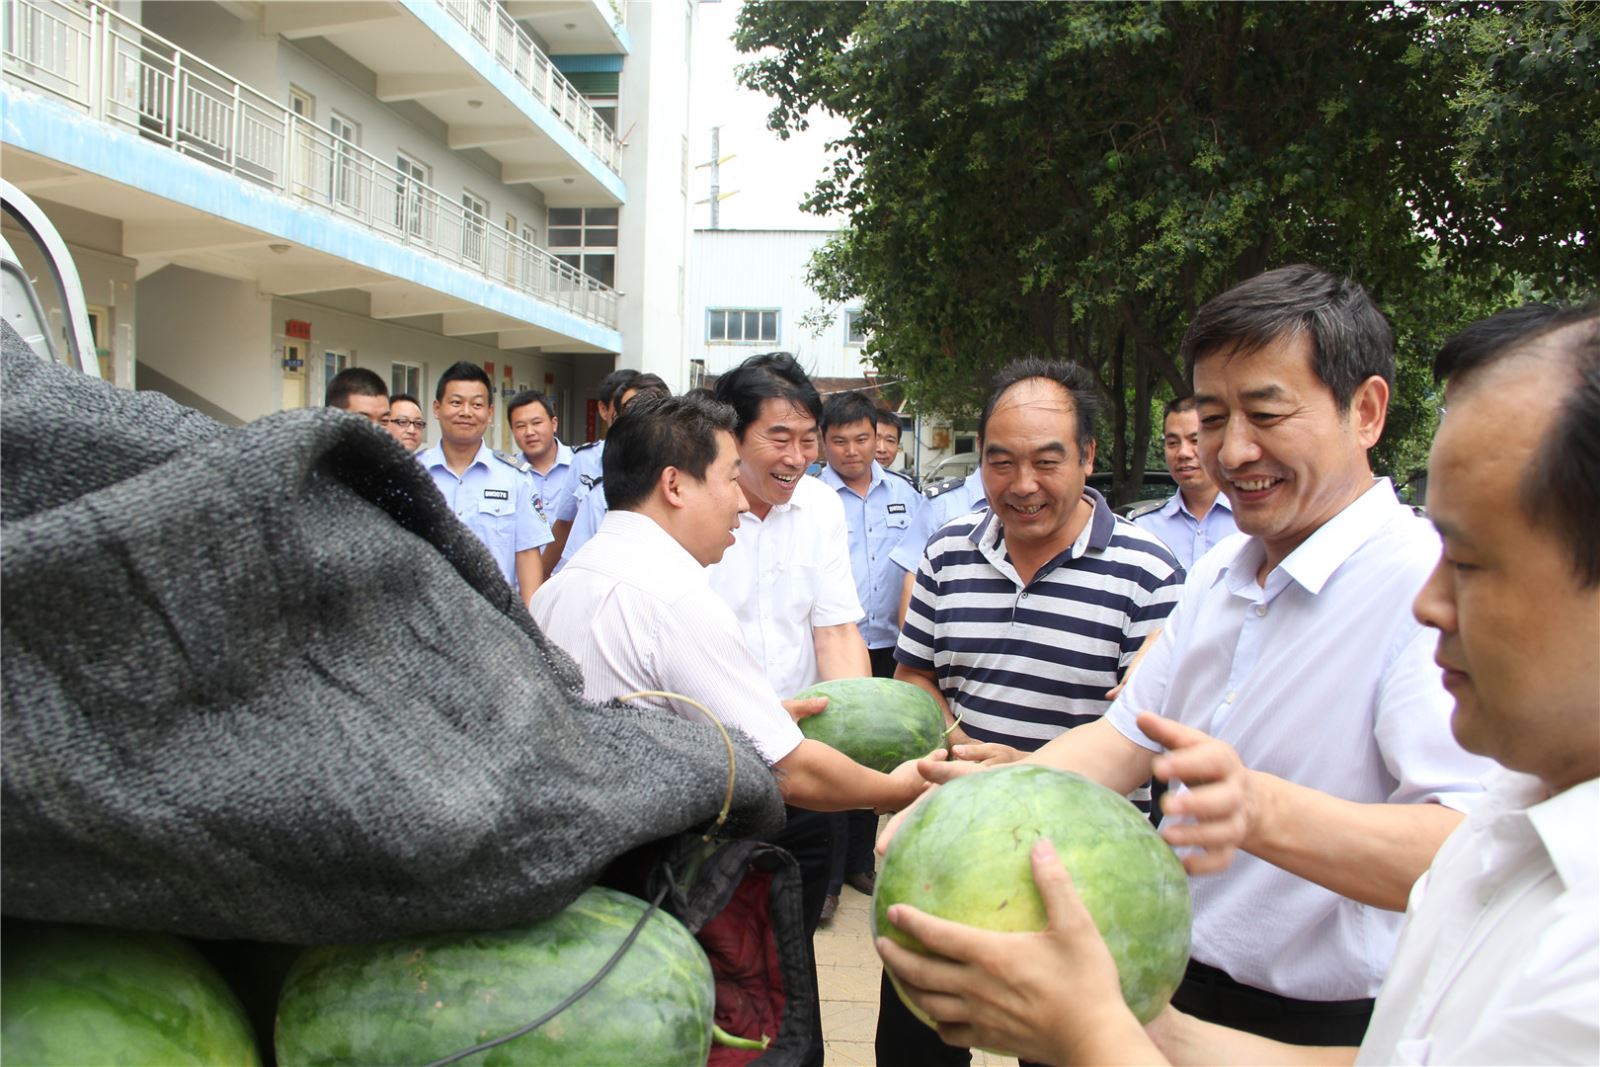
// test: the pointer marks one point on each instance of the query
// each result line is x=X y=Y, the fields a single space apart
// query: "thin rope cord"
x=727 y=799
x=572 y=998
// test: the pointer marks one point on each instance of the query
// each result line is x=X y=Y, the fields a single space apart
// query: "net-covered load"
x=259 y=682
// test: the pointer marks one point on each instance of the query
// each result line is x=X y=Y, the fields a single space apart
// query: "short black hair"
x=848 y=408
x=353 y=381
x=464 y=371
x=1177 y=404
x=768 y=376
x=645 y=387
x=886 y=417
x=526 y=397
x=1350 y=339
x=1079 y=383
x=614 y=383
x=1562 y=487
x=407 y=397
x=657 y=432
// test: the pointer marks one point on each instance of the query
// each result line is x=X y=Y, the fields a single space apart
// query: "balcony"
x=117 y=72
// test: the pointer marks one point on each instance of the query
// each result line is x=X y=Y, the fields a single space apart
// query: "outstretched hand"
x=1051 y=996
x=909 y=782
x=1219 y=797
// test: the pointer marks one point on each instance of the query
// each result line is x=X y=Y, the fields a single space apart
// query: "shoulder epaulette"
x=586 y=445
x=908 y=479
x=511 y=459
x=1147 y=509
x=942 y=487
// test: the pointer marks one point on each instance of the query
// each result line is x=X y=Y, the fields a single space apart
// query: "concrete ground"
x=847 y=978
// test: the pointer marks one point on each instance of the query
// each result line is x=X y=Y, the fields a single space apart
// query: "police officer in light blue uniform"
x=950 y=499
x=591 y=504
x=881 y=511
x=1197 y=516
x=491 y=492
x=588 y=460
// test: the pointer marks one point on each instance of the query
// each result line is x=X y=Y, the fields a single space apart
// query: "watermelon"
x=418 y=999
x=878 y=722
x=963 y=854
x=75 y=995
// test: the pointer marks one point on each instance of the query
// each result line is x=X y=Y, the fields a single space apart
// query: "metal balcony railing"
x=117 y=71
x=515 y=51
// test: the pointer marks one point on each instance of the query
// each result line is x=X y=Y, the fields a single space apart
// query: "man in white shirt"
x=1500 y=958
x=1197 y=516
x=633 y=607
x=1293 y=646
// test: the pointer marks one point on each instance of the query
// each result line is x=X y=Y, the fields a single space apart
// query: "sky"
x=771 y=176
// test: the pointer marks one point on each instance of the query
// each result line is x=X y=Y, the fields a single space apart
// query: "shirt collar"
x=1316 y=559
x=1175 y=503
x=830 y=478
x=1095 y=535
x=433 y=456
x=650 y=544
x=563 y=455
x=1565 y=824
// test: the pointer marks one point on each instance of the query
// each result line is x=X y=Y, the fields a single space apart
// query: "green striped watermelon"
x=963 y=854
x=76 y=995
x=878 y=722
x=418 y=999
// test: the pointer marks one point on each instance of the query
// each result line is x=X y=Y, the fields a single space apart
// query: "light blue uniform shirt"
x=586 y=462
x=950 y=504
x=890 y=514
x=553 y=492
x=591 y=513
x=495 y=500
x=1189 y=538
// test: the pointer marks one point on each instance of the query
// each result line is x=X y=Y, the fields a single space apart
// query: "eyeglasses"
x=407 y=424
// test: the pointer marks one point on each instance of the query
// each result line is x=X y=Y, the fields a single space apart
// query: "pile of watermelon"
x=79 y=995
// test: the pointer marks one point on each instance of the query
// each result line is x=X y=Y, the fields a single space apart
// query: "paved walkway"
x=847 y=977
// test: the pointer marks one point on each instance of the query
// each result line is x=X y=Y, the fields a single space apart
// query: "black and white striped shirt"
x=1021 y=664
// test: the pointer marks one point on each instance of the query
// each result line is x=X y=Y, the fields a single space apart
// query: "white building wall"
x=652 y=252
x=271 y=65
x=209 y=335
x=765 y=269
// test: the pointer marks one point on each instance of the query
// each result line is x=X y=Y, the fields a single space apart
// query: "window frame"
x=744 y=314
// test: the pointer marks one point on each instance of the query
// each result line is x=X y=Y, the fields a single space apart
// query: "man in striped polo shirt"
x=1024 y=615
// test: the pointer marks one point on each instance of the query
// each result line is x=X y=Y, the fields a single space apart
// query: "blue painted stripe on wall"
x=465 y=45
x=57 y=132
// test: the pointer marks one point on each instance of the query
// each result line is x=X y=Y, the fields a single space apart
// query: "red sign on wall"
x=591 y=419
x=296 y=328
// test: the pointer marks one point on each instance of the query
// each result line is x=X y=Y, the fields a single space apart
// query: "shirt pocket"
x=497 y=522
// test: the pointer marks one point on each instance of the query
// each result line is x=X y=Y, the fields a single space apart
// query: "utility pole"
x=717 y=159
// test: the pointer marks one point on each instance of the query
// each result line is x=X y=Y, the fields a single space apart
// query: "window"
x=302 y=103
x=344 y=185
x=410 y=206
x=586 y=237
x=741 y=325
x=854 y=333
x=474 y=210
x=405 y=378
x=332 y=364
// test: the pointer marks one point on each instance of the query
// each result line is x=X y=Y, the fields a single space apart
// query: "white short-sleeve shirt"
x=1499 y=961
x=1324 y=678
x=786 y=575
x=634 y=610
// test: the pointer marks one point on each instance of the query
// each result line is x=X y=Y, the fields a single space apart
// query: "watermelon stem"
x=727 y=1040
x=953 y=724
x=727 y=799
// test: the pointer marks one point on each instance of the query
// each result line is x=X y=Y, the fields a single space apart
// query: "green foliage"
x=1073 y=180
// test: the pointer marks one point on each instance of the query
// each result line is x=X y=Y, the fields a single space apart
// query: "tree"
x=1073 y=180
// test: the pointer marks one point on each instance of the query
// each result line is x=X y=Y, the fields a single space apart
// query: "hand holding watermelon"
x=1050 y=997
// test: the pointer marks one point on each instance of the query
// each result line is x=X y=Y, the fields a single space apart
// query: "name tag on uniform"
x=897 y=509
x=496 y=494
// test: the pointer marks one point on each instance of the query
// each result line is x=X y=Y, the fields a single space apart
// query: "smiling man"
x=531 y=415
x=1196 y=517
x=489 y=492
x=1293 y=646
x=1023 y=615
x=1499 y=961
